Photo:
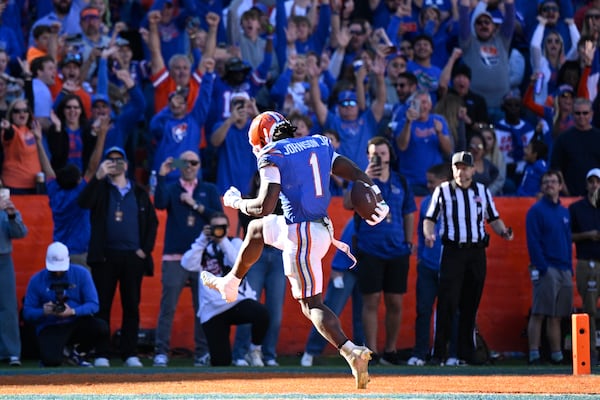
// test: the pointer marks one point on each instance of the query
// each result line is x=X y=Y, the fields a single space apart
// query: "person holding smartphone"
x=123 y=231
x=231 y=140
x=383 y=251
x=189 y=203
x=424 y=141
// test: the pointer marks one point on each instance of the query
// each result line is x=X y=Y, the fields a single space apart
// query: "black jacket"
x=58 y=144
x=95 y=197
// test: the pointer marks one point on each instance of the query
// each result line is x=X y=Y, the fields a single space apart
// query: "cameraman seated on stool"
x=213 y=251
x=61 y=301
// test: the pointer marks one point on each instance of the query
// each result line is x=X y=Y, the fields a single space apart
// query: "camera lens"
x=218 y=231
x=59 y=308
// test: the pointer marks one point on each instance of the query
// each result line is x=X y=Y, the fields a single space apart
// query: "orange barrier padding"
x=580 y=333
x=501 y=319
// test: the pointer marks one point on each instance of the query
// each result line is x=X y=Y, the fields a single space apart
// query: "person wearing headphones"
x=383 y=251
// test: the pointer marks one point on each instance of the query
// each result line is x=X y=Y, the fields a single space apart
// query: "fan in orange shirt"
x=21 y=160
x=45 y=42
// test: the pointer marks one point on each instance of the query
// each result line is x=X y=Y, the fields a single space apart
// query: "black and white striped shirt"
x=462 y=212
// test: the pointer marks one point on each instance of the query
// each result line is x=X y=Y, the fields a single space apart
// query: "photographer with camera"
x=383 y=250
x=123 y=231
x=61 y=301
x=189 y=202
x=213 y=251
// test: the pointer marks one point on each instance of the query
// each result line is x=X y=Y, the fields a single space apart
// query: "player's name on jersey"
x=296 y=147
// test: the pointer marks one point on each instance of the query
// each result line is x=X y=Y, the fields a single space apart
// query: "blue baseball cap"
x=75 y=58
x=262 y=8
x=346 y=95
x=100 y=97
x=562 y=89
x=115 y=149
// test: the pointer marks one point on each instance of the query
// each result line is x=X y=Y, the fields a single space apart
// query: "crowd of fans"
x=508 y=69
x=512 y=81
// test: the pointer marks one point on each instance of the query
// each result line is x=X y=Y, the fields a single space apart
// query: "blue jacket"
x=430 y=257
x=71 y=222
x=548 y=227
x=81 y=296
x=530 y=185
x=179 y=236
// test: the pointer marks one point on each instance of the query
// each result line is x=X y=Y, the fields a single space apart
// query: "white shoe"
x=101 y=362
x=455 y=362
x=358 y=359
x=415 y=361
x=254 y=357
x=160 y=360
x=271 y=363
x=226 y=285
x=307 y=360
x=240 y=362
x=14 y=361
x=133 y=362
x=202 y=361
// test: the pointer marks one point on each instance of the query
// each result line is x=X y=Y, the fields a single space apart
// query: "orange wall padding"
x=501 y=319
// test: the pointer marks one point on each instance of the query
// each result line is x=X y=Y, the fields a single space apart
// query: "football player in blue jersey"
x=297 y=170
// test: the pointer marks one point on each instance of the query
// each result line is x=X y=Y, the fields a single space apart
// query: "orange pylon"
x=580 y=335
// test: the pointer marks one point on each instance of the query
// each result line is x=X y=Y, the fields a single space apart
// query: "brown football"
x=364 y=199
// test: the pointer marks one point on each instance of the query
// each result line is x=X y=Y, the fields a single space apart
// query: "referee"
x=462 y=205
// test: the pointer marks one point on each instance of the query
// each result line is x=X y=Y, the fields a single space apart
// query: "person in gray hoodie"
x=486 y=50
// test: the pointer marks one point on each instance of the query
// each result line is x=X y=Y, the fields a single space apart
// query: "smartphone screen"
x=120 y=166
x=416 y=105
x=178 y=163
x=376 y=160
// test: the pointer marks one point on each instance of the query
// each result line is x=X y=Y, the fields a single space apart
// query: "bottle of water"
x=152 y=183
x=40 y=183
x=539 y=83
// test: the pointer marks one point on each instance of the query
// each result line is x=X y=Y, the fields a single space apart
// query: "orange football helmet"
x=263 y=128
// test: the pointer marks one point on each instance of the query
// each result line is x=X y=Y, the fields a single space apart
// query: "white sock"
x=348 y=346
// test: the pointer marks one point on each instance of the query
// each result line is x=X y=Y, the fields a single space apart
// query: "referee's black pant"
x=462 y=275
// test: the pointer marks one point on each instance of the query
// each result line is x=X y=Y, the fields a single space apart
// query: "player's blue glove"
x=232 y=198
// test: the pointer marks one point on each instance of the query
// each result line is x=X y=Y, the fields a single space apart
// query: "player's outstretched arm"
x=262 y=205
x=347 y=169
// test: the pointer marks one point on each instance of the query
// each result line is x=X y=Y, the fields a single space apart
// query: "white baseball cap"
x=593 y=172
x=57 y=257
